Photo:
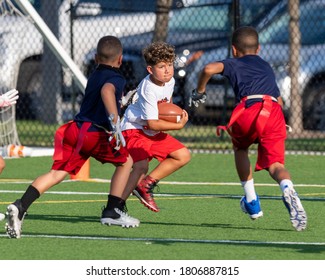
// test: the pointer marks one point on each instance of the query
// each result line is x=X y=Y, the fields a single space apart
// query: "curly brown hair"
x=159 y=52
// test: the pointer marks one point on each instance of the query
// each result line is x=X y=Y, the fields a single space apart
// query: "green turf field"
x=200 y=217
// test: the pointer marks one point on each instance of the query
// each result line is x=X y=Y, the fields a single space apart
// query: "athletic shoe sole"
x=13 y=226
x=145 y=203
x=124 y=220
x=254 y=216
x=118 y=222
x=297 y=213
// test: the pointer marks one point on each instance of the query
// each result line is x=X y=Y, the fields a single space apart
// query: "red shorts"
x=74 y=145
x=271 y=142
x=142 y=146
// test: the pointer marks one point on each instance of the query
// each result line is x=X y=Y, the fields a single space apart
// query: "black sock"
x=115 y=202
x=30 y=195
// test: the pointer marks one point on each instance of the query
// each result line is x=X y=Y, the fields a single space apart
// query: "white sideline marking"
x=19 y=181
x=165 y=195
x=209 y=183
x=176 y=240
x=98 y=180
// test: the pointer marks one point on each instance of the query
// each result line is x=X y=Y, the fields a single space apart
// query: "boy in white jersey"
x=143 y=131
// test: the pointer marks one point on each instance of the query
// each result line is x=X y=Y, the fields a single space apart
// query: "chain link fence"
x=291 y=35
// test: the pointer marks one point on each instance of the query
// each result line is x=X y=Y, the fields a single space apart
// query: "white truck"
x=78 y=25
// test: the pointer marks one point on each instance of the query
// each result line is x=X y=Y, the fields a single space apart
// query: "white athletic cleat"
x=118 y=218
x=297 y=212
x=14 y=224
x=2 y=216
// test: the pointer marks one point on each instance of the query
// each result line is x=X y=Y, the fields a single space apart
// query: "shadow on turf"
x=63 y=218
x=214 y=225
x=83 y=219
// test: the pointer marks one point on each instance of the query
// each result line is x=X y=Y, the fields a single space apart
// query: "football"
x=169 y=112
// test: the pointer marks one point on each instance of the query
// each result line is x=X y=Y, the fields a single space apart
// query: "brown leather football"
x=169 y=112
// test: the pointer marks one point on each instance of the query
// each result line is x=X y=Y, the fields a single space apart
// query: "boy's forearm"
x=202 y=82
x=207 y=72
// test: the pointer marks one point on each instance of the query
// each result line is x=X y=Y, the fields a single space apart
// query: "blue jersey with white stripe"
x=249 y=75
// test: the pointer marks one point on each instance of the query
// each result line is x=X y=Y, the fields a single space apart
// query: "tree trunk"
x=295 y=44
x=162 y=18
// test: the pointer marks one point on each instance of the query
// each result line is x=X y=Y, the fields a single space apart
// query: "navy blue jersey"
x=92 y=107
x=250 y=75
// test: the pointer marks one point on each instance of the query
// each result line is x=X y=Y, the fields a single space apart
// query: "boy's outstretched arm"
x=198 y=95
x=206 y=73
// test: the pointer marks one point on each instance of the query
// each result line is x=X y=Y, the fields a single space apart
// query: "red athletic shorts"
x=271 y=142
x=74 y=145
x=142 y=146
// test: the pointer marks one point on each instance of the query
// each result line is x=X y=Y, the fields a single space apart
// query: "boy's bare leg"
x=115 y=211
x=139 y=170
x=291 y=200
x=250 y=203
x=175 y=161
x=243 y=166
x=144 y=189
x=48 y=180
x=17 y=210
x=120 y=178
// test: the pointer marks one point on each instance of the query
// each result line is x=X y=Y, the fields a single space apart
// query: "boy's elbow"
x=213 y=68
x=207 y=70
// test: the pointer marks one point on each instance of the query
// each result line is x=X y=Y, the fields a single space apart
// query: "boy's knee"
x=186 y=157
x=277 y=170
x=141 y=166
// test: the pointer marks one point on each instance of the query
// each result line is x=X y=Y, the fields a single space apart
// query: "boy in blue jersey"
x=94 y=132
x=257 y=118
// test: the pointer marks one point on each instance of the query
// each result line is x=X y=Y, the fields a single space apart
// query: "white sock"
x=249 y=190
x=286 y=183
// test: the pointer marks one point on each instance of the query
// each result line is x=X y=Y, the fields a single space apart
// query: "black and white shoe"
x=15 y=218
x=118 y=217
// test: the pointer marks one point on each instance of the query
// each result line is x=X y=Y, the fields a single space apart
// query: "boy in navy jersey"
x=94 y=132
x=257 y=118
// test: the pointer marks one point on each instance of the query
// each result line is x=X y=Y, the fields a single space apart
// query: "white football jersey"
x=146 y=105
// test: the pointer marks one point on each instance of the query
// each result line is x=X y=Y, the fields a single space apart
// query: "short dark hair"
x=159 y=52
x=109 y=48
x=245 y=39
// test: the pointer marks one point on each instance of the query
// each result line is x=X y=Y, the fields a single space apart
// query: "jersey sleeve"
x=148 y=103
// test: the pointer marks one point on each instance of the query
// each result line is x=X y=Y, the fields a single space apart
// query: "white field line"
x=175 y=240
x=309 y=197
x=149 y=240
x=98 y=180
x=21 y=181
